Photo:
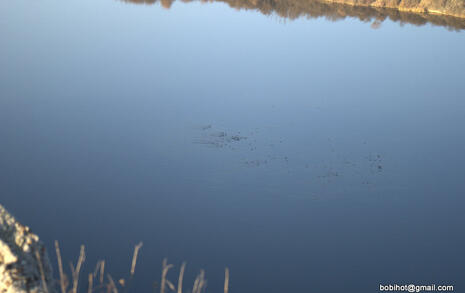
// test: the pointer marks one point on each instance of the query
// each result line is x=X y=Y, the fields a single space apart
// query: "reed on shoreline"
x=98 y=282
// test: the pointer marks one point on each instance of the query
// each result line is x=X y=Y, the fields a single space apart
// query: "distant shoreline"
x=450 y=14
x=420 y=7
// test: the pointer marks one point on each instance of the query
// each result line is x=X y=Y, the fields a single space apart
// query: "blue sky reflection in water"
x=306 y=155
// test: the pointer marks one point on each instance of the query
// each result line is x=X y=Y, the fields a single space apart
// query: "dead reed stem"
x=181 y=277
x=165 y=268
x=134 y=257
x=200 y=283
x=42 y=274
x=91 y=283
x=170 y=285
x=111 y=285
x=226 y=280
x=76 y=270
x=199 y=286
x=60 y=268
x=100 y=270
x=133 y=266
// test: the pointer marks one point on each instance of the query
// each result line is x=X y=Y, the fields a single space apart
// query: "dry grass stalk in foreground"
x=181 y=276
x=91 y=284
x=165 y=268
x=111 y=286
x=76 y=270
x=200 y=283
x=63 y=284
x=226 y=280
x=42 y=274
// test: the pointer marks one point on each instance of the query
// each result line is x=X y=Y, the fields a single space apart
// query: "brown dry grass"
x=109 y=285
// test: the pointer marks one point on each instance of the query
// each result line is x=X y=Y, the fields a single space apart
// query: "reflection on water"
x=442 y=13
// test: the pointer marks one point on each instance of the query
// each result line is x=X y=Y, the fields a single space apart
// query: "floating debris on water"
x=255 y=163
x=329 y=174
x=329 y=166
x=237 y=137
x=217 y=138
x=375 y=163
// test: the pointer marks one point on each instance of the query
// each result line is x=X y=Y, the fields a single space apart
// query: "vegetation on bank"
x=450 y=14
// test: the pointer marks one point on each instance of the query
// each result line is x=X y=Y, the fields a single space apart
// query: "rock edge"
x=24 y=263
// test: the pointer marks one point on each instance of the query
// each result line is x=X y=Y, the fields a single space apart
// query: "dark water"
x=306 y=155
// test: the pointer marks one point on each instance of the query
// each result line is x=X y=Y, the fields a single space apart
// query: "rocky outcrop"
x=24 y=264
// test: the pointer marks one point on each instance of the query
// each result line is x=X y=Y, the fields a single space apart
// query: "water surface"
x=307 y=155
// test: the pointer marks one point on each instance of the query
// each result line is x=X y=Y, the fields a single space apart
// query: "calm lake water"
x=306 y=155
